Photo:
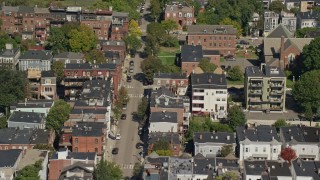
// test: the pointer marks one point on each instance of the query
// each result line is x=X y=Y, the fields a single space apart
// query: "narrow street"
x=128 y=154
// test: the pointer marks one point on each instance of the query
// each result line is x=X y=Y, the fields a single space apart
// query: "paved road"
x=128 y=153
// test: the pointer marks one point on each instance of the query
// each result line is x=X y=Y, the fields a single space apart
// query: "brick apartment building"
x=114 y=46
x=12 y=138
x=76 y=74
x=183 y=15
x=120 y=25
x=191 y=55
x=177 y=82
x=43 y=84
x=60 y=161
x=84 y=137
x=213 y=37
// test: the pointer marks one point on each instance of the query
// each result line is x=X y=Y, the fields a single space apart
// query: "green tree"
x=82 y=39
x=95 y=56
x=280 y=123
x=58 y=69
x=162 y=148
x=206 y=66
x=277 y=6
x=308 y=113
x=137 y=170
x=150 y=66
x=133 y=43
x=123 y=95
x=142 y=108
x=235 y=73
x=226 y=150
x=230 y=175
x=30 y=172
x=156 y=30
x=13 y=86
x=155 y=9
x=236 y=117
x=107 y=170
x=134 y=29
x=57 y=41
x=4 y=39
x=235 y=24
x=26 y=44
x=307 y=89
x=169 y=25
x=57 y=115
x=3 y=122
x=117 y=110
x=311 y=55
x=301 y=33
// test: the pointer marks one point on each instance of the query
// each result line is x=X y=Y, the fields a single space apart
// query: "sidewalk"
x=109 y=145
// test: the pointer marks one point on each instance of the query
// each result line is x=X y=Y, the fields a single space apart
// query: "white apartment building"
x=304 y=140
x=163 y=122
x=260 y=143
x=209 y=94
x=209 y=144
x=307 y=19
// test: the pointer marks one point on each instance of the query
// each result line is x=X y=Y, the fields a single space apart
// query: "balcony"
x=255 y=100
x=197 y=101
x=196 y=108
x=198 y=93
x=255 y=92
x=255 y=108
x=256 y=84
x=276 y=92
x=275 y=100
x=276 y=108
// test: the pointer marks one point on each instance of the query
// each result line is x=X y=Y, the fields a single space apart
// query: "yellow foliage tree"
x=235 y=24
x=134 y=29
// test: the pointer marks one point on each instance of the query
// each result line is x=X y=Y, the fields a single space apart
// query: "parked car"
x=139 y=145
x=230 y=58
x=123 y=116
x=115 y=151
x=118 y=137
x=124 y=106
x=131 y=69
x=129 y=78
x=131 y=63
x=244 y=42
x=111 y=137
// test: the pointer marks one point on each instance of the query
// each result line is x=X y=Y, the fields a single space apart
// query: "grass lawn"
x=168 y=55
x=199 y=119
x=229 y=82
x=222 y=59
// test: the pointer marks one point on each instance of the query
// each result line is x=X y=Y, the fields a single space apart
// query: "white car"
x=254 y=38
x=118 y=137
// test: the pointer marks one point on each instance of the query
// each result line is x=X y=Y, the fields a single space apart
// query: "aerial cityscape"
x=160 y=90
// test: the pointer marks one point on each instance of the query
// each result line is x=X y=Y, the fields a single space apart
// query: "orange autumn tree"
x=288 y=154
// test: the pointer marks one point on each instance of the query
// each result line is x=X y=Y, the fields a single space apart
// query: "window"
x=96 y=150
x=274 y=150
x=264 y=149
x=303 y=149
x=76 y=149
x=97 y=140
x=223 y=99
x=256 y=149
x=218 y=99
x=247 y=149
x=63 y=138
x=76 y=140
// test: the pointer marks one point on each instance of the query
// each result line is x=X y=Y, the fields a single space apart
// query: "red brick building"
x=114 y=46
x=99 y=21
x=213 y=37
x=76 y=74
x=176 y=82
x=27 y=138
x=182 y=14
x=191 y=55
x=64 y=159
x=84 y=137
x=120 y=25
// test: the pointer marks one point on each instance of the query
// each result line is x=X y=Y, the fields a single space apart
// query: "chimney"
x=282 y=58
x=200 y=136
x=9 y=46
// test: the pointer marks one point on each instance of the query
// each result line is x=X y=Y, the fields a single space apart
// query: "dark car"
x=139 y=145
x=244 y=42
x=230 y=58
x=115 y=150
x=129 y=78
x=131 y=63
x=123 y=116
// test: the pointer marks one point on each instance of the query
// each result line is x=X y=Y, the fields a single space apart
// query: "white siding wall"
x=259 y=148
x=307 y=149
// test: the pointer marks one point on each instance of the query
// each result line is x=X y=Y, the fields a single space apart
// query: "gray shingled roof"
x=300 y=134
x=254 y=71
x=170 y=76
x=8 y=158
x=166 y=136
x=24 y=136
x=9 y=52
x=170 y=117
x=47 y=74
x=213 y=137
x=211 y=29
x=36 y=54
x=279 y=31
x=305 y=168
x=209 y=81
x=308 y=15
x=262 y=133
x=191 y=53
x=26 y=117
x=108 y=66
x=69 y=55
x=83 y=129
x=41 y=103
x=254 y=167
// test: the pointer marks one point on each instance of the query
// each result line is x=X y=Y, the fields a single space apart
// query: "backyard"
x=249 y=55
x=168 y=55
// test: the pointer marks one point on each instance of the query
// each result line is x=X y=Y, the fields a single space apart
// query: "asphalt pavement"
x=128 y=154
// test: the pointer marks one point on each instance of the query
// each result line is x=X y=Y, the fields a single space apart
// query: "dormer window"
x=205 y=31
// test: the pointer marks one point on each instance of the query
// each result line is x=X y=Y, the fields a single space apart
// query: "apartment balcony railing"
x=276 y=100
x=197 y=101
x=276 y=84
x=198 y=93
x=256 y=84
x=276 y=92
x=276 y=108
x=255 y=92
x=255 y=100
